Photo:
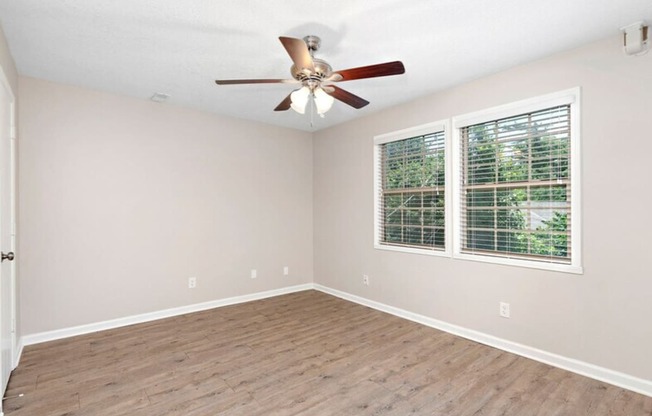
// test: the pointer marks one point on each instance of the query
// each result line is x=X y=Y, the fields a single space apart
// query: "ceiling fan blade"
x=298 y=51
x=285 y=104
x=254 y=81
x=371 y=71
x=346 y=97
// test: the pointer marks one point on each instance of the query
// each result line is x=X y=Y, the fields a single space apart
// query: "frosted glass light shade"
x=323 y=101
x=300 y=99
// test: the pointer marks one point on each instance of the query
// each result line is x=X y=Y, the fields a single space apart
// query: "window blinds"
x=515 y=187
x=412 y=180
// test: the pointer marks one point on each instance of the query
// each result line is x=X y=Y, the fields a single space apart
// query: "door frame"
x=14 y=349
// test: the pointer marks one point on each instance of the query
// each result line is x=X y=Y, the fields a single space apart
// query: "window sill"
x=412 y=250
x=530 y=264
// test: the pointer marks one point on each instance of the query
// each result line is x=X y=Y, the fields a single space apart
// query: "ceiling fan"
x=316 y=75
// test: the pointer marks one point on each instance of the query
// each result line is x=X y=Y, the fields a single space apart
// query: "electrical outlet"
x=192 y=282
x=254 y=273
x=504 y=309
x=365 y=280
x=286 y=271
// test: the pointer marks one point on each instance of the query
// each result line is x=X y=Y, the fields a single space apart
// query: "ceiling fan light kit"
x=300 y=99
x=315 y=76
x=323 y=101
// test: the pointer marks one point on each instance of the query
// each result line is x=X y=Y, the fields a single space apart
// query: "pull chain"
x=312 y=110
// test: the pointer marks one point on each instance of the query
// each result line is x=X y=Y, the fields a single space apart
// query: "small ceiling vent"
x=159 y=97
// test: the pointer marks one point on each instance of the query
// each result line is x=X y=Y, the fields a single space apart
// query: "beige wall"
x=123 y=199
x=600 y=317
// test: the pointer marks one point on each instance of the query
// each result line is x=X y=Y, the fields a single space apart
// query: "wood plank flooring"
x=306 y=353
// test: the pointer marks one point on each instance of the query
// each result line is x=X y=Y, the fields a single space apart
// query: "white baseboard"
x=152 y=316
x=606 y=375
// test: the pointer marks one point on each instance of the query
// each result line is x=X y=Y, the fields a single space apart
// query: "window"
x=505 y=188
x=517 y=180
x=411 y=178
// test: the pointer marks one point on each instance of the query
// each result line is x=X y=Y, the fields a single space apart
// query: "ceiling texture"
x=141 y=47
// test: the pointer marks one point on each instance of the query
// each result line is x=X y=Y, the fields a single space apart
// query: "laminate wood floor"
x=306 y=353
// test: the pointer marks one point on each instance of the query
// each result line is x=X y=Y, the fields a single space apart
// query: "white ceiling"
x=140 y=47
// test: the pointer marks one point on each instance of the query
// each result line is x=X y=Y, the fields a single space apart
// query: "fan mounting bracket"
x=313 y=42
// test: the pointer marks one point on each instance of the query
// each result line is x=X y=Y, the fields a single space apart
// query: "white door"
x=7 y=233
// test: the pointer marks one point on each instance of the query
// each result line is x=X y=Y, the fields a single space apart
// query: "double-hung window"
x=502 y=186
x=411 y=197
x=517 y=184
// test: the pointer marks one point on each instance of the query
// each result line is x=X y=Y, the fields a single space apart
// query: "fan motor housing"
x=322 y=70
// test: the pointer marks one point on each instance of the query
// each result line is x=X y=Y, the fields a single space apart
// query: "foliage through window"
x=412 y=173
x=515 y=188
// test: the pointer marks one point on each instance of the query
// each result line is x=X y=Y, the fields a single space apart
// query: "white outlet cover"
x=254 y=273
x=504 y=309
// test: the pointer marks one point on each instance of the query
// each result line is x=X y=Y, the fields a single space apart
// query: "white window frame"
x=429 y=128
x=567 y=97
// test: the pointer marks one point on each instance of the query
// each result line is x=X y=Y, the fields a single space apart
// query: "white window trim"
x=434 y=127
x=570 y=96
